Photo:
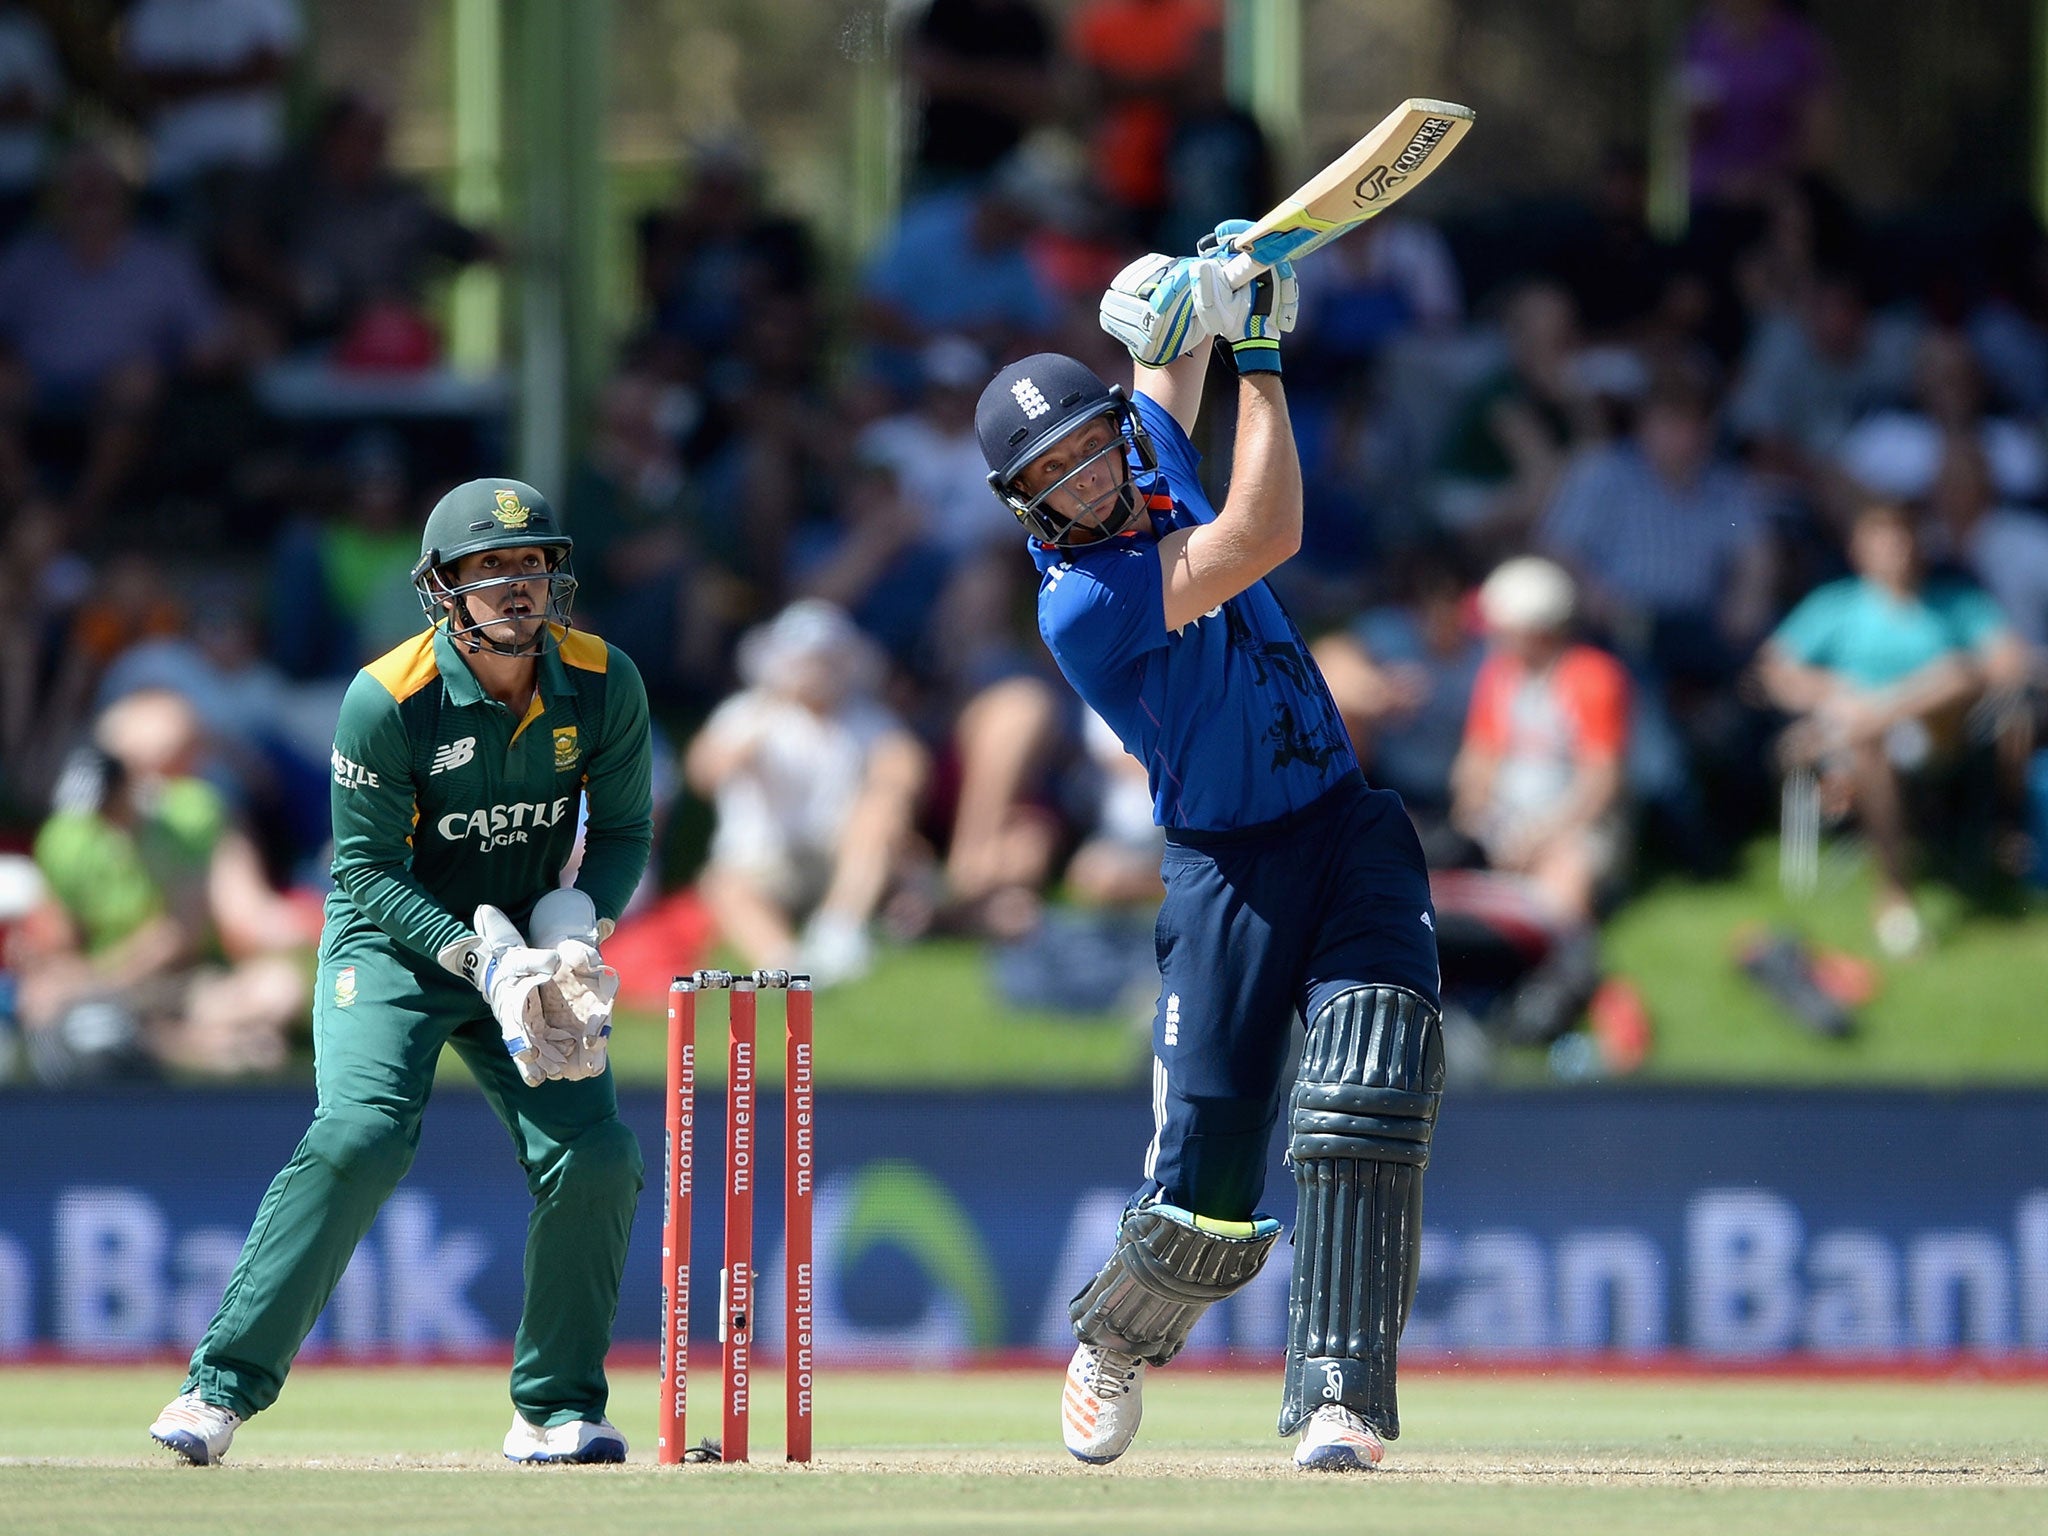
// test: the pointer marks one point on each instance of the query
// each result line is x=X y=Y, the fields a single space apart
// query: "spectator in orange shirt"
x=1139 y=54
x=1538 y=782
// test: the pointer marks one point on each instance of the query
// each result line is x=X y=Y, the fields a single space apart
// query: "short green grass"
x=413 y=1451
x=1965 y=1011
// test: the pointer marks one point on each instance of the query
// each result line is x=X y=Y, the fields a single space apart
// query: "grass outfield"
x=403 y=1451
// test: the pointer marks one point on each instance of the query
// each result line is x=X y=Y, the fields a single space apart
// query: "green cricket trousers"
x=378 y=1029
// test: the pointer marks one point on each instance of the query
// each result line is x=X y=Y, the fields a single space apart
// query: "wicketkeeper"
x=1292 y=889
x=459 y=763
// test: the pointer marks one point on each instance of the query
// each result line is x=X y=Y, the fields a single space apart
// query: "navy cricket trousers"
x=1260 y=927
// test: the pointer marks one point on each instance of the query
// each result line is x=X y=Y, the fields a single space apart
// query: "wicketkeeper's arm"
x=374 y=806
x=618 y=788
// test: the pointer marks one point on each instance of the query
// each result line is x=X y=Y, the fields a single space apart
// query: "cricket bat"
x=1384 y=166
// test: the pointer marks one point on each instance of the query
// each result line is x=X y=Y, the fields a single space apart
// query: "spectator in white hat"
x=1538 y=783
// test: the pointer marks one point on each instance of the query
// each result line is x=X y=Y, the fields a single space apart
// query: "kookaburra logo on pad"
x=1035 y=404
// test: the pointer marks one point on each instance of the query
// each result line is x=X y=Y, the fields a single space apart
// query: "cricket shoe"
x=197 y=1431
x=1103 y=1402
x=1337 y=1440
x=581 y=1442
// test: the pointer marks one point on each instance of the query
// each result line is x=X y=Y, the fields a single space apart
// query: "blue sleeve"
x=1178 y=460
x=1101 y=616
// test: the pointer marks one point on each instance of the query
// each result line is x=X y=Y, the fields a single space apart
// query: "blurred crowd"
x=1620 y=551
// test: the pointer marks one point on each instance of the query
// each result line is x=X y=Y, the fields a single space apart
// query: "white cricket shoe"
x=1104 y=1400
x=1337 y=1440
x=578 y=1443
x=199 y=1432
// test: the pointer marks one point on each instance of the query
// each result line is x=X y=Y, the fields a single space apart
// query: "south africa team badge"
x=565 y=747
x=511 y=511
x=345 y=987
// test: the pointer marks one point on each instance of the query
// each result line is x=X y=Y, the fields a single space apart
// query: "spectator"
x=1876 y=670
x=912 y=567
x=982 y=70
x=814 y=784
x=1140 y=57
x=1757 y=82
x=214 y=72
x=1807 y=376
x=161 y=939
x=1509 y=442
x=717 y=253
x=2008 y=325
x=96 y=317
x=1216 y=164
x=1668 y=539
x=1895 y=454
x=2003 y=547
x=1617 y=267
x=1801 y=229
x=336 y=249
x=767 y=449
x=958 y=262
x=268 y=742
x=1394 y=277
x=1538 y=782
x=45 y=680
x=1402 y=677
x=650 y=573
x=32 y=91
x=1003 y=838
x=338 y=593
x=1118 y=861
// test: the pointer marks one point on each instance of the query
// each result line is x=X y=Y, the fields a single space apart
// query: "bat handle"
x=1241 y=268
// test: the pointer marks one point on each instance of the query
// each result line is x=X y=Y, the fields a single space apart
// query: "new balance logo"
x=454 y=755
x=1034 y=404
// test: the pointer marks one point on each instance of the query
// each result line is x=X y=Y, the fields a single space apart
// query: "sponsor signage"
x=1708 y=1226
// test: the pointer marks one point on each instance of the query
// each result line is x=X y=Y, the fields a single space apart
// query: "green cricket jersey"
x=444 y=799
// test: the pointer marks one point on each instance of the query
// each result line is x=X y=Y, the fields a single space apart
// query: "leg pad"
x=1169 y=1267
x=1359 y=1128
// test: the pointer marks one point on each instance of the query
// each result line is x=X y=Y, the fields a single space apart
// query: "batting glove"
x=1154 y=307
x=1253 y=318
x=509 y=973
x=576 y=1002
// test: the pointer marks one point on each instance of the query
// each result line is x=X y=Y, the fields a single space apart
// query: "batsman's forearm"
x=1265 y=478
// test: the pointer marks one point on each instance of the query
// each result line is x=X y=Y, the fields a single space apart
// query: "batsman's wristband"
x=1256 y=354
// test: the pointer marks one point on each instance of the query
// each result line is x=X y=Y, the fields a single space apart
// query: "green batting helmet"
x=492 y=514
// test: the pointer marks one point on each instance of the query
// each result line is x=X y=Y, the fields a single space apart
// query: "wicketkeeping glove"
x=1254 y=318
x=576 y=1001
x=510 y=973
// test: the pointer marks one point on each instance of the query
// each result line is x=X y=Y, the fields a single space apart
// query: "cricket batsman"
x=1292 y=889
x=459 y=761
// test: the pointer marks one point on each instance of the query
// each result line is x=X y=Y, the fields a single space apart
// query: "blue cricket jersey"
x=1228 y=714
